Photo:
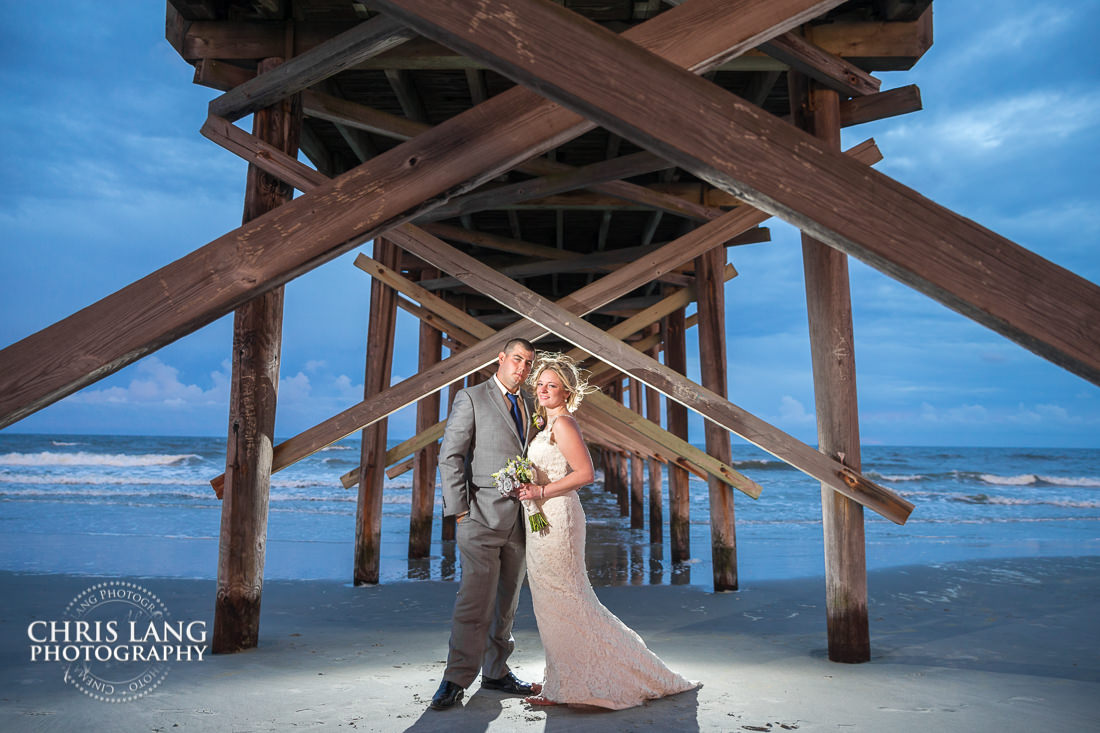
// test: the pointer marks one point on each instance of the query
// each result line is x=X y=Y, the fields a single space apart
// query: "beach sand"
x=995 y=645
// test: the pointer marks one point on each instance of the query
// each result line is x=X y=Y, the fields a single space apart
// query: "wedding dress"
x=592 y=658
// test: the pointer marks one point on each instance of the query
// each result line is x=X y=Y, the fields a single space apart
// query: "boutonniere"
x=538 y=422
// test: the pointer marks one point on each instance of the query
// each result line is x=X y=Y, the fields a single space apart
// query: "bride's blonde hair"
x=573 y=378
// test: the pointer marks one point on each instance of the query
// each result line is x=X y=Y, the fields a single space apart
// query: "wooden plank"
x=831 y=71
x=586 y=299
x=391 y=473
x=565 y=324
x=832 y=350
x=876 y=46
x=781 y=169
x=254 y=384
x=369 y=38
x=332 y=218
x=890 y=103
x=497 y=242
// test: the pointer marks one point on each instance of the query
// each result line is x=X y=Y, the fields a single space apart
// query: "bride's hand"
x=527 y=492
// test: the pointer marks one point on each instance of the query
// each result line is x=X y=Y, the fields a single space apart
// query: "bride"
x=592 y=658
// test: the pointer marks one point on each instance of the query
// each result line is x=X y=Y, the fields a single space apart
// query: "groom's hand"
x=460 y=517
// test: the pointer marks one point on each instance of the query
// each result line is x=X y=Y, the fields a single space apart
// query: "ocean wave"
x=1025 y=479
x=1032 y=479
x=986 y=499
x=99 y=480
x=82 y=458
x=86 y=494
x=897 y=478
x=62 y=443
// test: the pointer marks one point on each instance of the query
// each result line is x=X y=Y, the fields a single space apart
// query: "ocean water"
x=141 y=506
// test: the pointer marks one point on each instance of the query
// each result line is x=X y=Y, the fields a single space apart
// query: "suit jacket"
x=480 y=438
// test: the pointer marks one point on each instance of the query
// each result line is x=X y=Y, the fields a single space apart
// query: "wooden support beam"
x=254 y=387
x=470 y=329
x=564 y=323
x=340 y=111
x=710 y=289
x=829 y=70
x=623 y=280
x=832 y=349
x=890 y=103
x=372 y=464
x=369 y=38
x=334 y=217
x=783 y=170
x=637 y=465
x=673 y=335
x=408 y=97
x=425 y=460
x=874 y=46
x=500 y=196
x=653 y=415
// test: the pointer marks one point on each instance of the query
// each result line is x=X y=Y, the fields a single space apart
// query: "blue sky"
x=106 y=178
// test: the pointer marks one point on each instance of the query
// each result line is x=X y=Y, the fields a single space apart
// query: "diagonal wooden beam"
x=831 y=71
x=673 y=385
x=369 y=38
x=659 y=440
x=342 y=111
x=588 y=298
x=336 y=216
x=780 y=169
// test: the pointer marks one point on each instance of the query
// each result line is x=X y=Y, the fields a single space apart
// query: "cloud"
x=792 y=412
x=157 y=384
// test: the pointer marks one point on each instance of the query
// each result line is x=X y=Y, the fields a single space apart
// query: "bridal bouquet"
x=520 y=471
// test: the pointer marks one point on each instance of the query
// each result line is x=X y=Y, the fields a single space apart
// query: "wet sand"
x=995 y=645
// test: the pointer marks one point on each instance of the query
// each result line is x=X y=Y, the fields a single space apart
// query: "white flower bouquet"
x=508 y=479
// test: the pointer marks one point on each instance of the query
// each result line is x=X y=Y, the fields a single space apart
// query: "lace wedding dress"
x=592 y=658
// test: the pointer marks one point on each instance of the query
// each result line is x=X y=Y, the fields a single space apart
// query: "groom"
x=487 y=426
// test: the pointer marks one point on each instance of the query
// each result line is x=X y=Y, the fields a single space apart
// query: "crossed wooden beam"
x=724 y=140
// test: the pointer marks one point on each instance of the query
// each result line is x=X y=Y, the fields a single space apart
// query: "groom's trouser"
x=493 y=564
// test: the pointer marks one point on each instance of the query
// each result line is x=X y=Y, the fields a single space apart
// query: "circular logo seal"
x=117 y=618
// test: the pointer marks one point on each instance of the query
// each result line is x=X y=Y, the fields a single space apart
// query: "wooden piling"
x=832 y=346
x=653 y=414
x=372 y=460
x=679 y=500
x=710 y=292
x=257 y=342
x=637 y=466
x=425 y=460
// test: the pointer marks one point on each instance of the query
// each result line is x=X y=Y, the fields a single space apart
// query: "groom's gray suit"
x=479 y=440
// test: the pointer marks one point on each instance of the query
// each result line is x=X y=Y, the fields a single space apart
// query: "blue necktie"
x=516 y=415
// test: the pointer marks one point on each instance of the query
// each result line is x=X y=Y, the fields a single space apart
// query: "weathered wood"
x=372 y=464
x=818 y=64
x=329 y=220
x=369 y=38
x=615 y=478
x=392 y=472
x=710 y=287
x=584 y=335
x=459 y=365
x=637 y=466
x=497 y=242
x=427 y=415
x=659 y=442
x=875 y=46
x=890 y=103
x=832 y=348
x=590 y=175
x=653 y=415
x=341 y=111
x=781 y=169
x=254 y=386
x=679 y=498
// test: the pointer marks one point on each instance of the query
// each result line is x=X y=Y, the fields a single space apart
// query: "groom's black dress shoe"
x=508 y=683
x=446 y=696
